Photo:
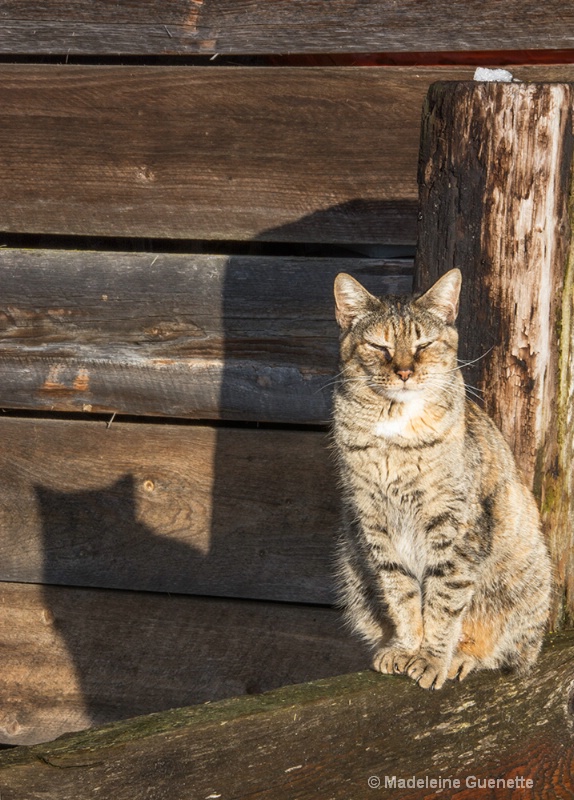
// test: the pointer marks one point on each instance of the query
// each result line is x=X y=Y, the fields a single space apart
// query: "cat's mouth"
x=402 y=393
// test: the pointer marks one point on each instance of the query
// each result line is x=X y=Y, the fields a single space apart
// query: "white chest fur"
x=399 y=422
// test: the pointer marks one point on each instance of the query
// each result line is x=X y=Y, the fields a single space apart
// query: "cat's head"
x=398 y=347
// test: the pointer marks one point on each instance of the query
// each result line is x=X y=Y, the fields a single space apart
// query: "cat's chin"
x=402 y=395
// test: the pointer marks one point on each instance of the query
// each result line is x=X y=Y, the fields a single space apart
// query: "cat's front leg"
x=380 y=598
x=428 y=668
x=447 y=592
x=402 y=597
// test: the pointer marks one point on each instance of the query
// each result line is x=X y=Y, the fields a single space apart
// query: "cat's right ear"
x=352 y=300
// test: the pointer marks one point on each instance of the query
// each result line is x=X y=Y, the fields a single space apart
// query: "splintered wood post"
x=495 y=178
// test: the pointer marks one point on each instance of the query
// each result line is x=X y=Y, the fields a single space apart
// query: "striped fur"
x=442 y=566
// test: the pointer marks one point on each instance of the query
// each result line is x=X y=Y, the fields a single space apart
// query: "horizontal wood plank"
x=273 y=26
x=192 y=509
x=336 y=738
x=75 y=658
x=280 y=155
x=250 y=338
x=291 y=154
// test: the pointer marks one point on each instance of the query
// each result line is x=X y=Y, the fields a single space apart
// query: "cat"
x=442 y=567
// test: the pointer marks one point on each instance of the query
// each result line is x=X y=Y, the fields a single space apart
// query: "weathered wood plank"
x=310 y=155
x=208 y=153
x=74 y=658
x=224 y=512
x=272 y=26
x=248 y=338
x=496 y=164
x=335 y=738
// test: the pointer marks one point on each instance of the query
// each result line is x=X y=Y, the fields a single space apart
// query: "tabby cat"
x=442 y=565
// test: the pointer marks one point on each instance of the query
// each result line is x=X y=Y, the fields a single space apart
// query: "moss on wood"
x=322 y=739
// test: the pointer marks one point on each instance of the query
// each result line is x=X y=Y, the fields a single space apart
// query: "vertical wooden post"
x=495 y=176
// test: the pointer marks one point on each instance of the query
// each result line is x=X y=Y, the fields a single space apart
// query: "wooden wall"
x=183 y=27
x=173 y=211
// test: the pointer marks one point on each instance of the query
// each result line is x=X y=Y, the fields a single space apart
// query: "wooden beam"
x=269 y=26
x=248 y=338
x=335 y=738
x=75 y=658
x=118 y=151
x=307 y=155
x=496 y=199
x=214 y=511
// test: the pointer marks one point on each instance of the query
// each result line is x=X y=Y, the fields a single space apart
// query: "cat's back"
x=508 y=518
x=487 y=450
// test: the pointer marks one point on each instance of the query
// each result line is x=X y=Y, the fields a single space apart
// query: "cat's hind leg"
x=462 y=665
x=518 y=657
x=477 y=645
x=504 y=634
x=494 y=643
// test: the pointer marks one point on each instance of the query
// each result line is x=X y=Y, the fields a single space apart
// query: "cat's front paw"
x=428 y=671
x=392 y=660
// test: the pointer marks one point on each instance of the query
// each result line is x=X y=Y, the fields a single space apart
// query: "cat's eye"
x=382 y=348
x=422 y=346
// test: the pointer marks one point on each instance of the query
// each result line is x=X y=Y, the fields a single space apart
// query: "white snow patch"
x=484 y=74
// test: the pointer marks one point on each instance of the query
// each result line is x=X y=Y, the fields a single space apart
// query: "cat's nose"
x=404 y=374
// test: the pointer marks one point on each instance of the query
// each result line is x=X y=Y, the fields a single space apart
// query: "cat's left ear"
x=443 y=296
x=352 y=300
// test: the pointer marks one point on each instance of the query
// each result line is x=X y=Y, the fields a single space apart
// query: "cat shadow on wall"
x=90 y=535
x=136 y=652
x=93 y=538
x=122 y=653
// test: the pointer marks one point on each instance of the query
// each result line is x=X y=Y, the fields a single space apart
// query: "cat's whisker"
x=336 y=379
x=446 y=387
x=474 y=388
x=462 y=364
x=474 y=394
x=326 y=386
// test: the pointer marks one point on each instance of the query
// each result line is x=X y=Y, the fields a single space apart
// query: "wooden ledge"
x=326 y=739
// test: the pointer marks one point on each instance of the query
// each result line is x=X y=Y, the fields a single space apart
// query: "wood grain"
x=326 y=739
x=75 y=658
x=249 y=338
x=495 y=172
x=272 y=26
x=231 y=153
x=291 y=154
x=224 y=512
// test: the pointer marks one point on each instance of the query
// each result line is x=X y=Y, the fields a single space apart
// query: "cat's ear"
x=352 y=300
x=443 y=296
